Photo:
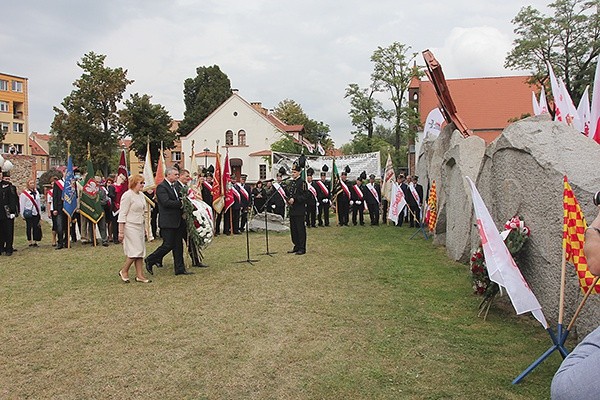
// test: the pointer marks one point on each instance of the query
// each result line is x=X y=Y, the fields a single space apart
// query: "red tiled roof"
x=484 y=104
x=36 y=149
x=206 y=154
x=261 y=153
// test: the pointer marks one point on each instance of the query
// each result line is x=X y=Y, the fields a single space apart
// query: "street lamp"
x=206 y=150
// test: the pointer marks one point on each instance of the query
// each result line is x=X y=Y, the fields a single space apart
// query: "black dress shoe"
x=201 y=265
x=148 y=267
x=300 y=252
x=159 y=264
x=185 y=273
x=292 y=251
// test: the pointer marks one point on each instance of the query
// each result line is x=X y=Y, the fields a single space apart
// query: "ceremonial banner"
x=90 y=196
x=583 y=110
x=535 y=104
x=368 y=162
x=431 y=217
x=595 y=109
x=433 y=124
x=147 y=172
x=227 y=186
x=389 y=179
x=500 y=264
x=160 y=168
x=574 y=227
x=397 y=203
x=69 y=194
x=217 y=188
x=543 y=102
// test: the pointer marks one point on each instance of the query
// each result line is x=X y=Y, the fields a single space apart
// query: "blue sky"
x=308 y=51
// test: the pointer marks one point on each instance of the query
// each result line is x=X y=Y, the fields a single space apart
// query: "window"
x=4 y=106
x=262 y=172
x=242 y=138
x=229 y=138
x=4 y=126
x=175 y=156
x=17 y=86
x=17 y=127
x=3 y=85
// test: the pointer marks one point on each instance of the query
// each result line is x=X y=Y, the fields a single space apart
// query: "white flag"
x=397 y=203
x=535 y=104
x=389 y=179
x=543 y=103
x=583 y=110
x=147 y=172
x=571 y=118
x=320 y=149
x=560 y=105
x=433 y=124
x=500 y=264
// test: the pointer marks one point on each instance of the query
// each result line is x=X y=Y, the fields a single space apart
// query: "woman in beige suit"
x=131 y=229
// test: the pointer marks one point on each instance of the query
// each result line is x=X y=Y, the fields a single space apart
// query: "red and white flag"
x=397 y=203
x=583 y=110
x=320 y=148
x=595 y=109
x=500 y=264
x=543 y=103
x=534 y=103
x=560 y=105
x=226 y=184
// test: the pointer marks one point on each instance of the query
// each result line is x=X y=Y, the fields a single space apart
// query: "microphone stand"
x=247 y=260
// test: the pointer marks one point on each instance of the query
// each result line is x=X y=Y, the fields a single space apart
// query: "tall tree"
x=292 y=113
x=569 y=40
x=89 y=114
x=144 y=122
x=392 y=73
x=364 y=109
x=202 y=95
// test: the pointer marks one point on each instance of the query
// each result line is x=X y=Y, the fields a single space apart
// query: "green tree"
x=286 y=145
x=569 y=40
x=292 y=113
x=89 y=114
x=202 y=95
x=145 y=121
x=392 y=73
x=364 y=108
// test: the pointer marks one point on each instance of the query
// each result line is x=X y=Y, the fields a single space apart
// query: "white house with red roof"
x=245 y=130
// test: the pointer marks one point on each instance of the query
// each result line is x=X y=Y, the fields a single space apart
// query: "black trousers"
x=323 y=216
x=298 y=231
x=243 y=219
x=311 y=215
x=384 y=209
x=61 y=229
x=374 y=213
x=229 y=220
x=343 y=212
x=7 y=234
x=32 y=228
x=358 y=209
x=172 y=241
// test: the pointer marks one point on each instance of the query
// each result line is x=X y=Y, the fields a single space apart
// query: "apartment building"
x=14 y=114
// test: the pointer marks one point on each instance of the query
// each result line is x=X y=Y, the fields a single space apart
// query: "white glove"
x=11 y=216
x=325 y=201
x=358 y=202
x=351 y=202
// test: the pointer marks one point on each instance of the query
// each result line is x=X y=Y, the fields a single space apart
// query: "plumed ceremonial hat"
x=347 y=169
x=211 y=169
x=282 y=171
x=310 y=172
x=325 y=168
x=296 y=167
x=363 y=176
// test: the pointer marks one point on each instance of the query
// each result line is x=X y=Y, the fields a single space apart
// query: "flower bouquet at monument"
x=199 y=225
x=515 y=235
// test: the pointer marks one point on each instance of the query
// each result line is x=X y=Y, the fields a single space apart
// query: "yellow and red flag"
x=574 y=236
x=431 y=216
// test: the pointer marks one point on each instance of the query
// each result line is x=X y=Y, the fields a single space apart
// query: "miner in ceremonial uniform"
x=311 y=200
x=357 y=199
x=297 y=194
x=278 y=200
x=343 y=199
x=324 y=197
x=245 y=192
x=373 y=198
x=9 y=209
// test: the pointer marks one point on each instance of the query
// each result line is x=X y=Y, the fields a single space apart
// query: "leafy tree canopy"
x=364 y=109
x=292 y=113
x=202 y=95
x=89 y=114
x=146 y=122
x=569 y=40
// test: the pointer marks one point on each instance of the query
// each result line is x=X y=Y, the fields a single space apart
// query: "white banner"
x=368 y=162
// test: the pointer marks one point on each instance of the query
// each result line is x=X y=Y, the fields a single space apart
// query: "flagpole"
x=561 y=302
x=587 y=294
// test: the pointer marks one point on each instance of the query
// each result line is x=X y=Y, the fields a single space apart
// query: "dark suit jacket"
x=169 y=206
x=296 y=189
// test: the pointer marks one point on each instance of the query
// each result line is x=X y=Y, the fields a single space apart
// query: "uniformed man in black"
x=343 y=200
x=324 y=196
x=311 y=200
x=277 y=200
x=373 y=198
x=357 y=192
x=297 y=195
x=9 y=209
x=246 y=200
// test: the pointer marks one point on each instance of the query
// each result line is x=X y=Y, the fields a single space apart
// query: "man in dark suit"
x=373 y=199
x=170 y=222
x=245 y=192
x=357 y=199
x=296 y=199
x=401 y=181
x=9 y=209
x=343 y=200
x=311 y=200
x=61 y=217
x=417 y=210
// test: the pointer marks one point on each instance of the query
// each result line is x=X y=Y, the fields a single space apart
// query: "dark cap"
x=323 y=173
x=296 y=167
x=372 y=176
x=282 y=171
x=243 y=176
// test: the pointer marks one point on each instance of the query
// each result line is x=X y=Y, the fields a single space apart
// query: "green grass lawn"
x=367 y=313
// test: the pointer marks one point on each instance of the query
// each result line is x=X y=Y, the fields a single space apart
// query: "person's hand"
x=291 y=201
x=55 y=213
x=121 y=236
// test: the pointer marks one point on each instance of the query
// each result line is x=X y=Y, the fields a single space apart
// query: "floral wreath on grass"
x=515 y=235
